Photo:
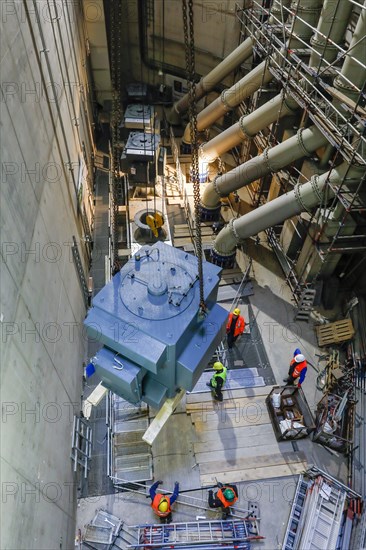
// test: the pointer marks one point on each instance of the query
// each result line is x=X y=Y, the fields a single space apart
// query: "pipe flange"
x=242 y=127
x=233 y=230
x=300 y=141
x=314 y=181
x=299 y=199
x=202 y=156
x=224 y=100
x=215 y=186
x=266 y=158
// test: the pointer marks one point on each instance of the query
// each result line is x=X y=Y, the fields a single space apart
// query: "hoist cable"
x=116 y=18
x=188 y=25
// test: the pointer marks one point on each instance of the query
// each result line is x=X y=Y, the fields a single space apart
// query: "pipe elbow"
x=224 y=248
x=187 y=134
x=173 y=116
x=211 y=197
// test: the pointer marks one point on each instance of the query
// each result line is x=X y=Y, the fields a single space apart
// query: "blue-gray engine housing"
x=147 y=317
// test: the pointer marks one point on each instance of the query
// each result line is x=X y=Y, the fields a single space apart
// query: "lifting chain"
x=190 y=69
x=116 y=18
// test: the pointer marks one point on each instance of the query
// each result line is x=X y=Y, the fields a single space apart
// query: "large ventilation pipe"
x=281 y=105
x=352 y=77
x=304 y=143
x=330 y=32
x=271 y=215
x=302 y=198
x=279 y=12
x=301 y=27
x=214 y=77
x=230 y=98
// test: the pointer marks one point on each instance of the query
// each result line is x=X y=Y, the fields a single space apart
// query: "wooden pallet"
x=334 y=333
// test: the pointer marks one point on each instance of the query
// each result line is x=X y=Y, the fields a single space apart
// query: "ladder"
x=305 y=306
x=293 y=531
x=324 y=517
x=203 y=535
x=80 y=271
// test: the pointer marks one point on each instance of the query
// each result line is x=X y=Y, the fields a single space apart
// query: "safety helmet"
x=163 y=506
x=229 y=494
x=218 y=365
x=236 y=311
x=299 y=358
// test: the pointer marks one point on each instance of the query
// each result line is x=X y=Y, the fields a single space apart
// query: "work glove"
x=219 y=484
x=160 y=482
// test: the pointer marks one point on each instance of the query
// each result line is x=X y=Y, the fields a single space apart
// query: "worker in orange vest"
x=225 y=497
x=297 y=370
x=161 y=504
x=234 y=327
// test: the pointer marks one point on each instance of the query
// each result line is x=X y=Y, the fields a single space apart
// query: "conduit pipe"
x=302 y=198
x=247 y=126
x=304 y=143
x=279 y=12
x=260 y=75
x=280 y=106
x=230 y=98
x=208 y=82
x=352 y=75
x=330 y=31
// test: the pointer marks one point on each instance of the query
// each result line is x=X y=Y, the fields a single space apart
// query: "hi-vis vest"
x=220 y=496
x=298 y=367
x=219 y=375
x=155 y=505
x=239 y=326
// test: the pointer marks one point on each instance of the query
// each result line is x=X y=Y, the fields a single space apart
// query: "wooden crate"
x=334 y=333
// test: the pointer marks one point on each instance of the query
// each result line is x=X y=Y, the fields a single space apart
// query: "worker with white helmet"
x=161 y=504
x=218 y=380
x=235 y=327
x=297 y=370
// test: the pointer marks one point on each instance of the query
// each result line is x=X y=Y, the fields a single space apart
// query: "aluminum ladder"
x=293 y=527
x=205 y=535
x=324 y=517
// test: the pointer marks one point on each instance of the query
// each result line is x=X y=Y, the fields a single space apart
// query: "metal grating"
x=129 y=457
x=238 y=378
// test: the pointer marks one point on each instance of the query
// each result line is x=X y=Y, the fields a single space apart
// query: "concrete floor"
x=173 y=457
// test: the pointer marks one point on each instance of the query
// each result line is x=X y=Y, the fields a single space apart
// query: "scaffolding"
x=340 y=119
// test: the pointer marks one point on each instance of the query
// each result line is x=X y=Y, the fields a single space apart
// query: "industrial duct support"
x=352 y=78
x=208 y=82
x=247 y=126
x=230 y=98
x=301 y=199
x=280 y=106
x=260 y=75
x=302 y=144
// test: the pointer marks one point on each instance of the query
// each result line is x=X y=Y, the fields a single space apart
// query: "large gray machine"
x=147 y=317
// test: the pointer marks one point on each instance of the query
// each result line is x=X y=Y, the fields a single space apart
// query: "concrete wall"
x=216 y=33
x=46 y=130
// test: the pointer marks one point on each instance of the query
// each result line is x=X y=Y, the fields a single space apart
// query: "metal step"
x=204 y=534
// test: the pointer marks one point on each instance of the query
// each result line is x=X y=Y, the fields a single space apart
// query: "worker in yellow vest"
x=218 y=380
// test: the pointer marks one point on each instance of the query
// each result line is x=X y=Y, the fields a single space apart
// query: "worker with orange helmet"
x=218 y=380
x=235 y=327
x=225 y=497
x=161 y=504
x=297 y=370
